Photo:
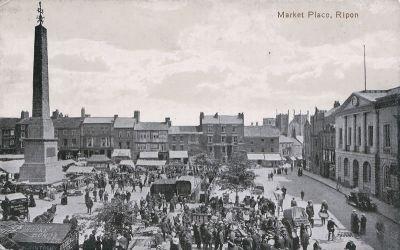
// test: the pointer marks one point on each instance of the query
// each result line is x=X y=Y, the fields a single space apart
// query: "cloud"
x=78 y=63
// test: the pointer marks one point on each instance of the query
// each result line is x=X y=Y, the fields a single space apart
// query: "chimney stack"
x=24 y=114
x=336 y=104
x=256 y=123
x=136 y=116
x=168 y=121
x=216 y=115
x=83 y=112
x=201 y=118
x=115 y=117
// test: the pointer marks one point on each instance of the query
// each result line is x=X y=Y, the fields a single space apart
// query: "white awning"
x=119 y=152
x=142 y=162
x=255 y=157
x=148 y=155
x=264 y=157
x=127 y=163
x=272 y=157
x=11 y=167
x=178 y=154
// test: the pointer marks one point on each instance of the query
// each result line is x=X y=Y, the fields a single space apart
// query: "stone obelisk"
x=40 y=146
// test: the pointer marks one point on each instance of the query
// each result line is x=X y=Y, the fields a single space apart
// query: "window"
x=210 y=149
x=252 y=150
x=119 y=134
x=73 y=142
x=210 y=139
x=262 y=140
x=22 y=134
x=128 y=144
x=234 y=129
x=12 y=132
x=72 y=132
x=192 y=138
x=104 y=142
x=223 y=138
x=181 y=147
x=89 y=142
x=346 y=167
x=272 y=150
x=22 y=127
x=370 y=136
x=366 y=172
x=349 y=137
x=65 y=142
x=173 y=147
x=173 y=138
x=359 y=136
x=22 y=144
x=223 y=149
x=11 y=142
x=65 y=132
x=120 y=145
x=181 y=138
x=262 y=150
x=252 y=142
x=272 y=140
x=210 y=129
x=386 y=135
x=340 y=136
x=223 y=129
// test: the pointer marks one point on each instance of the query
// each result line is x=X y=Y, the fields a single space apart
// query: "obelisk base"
x=39 y=154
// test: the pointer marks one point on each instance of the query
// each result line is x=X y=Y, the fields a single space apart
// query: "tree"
x=117 y=216
x=236 y=176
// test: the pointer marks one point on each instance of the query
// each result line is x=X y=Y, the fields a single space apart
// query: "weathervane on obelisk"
x=40 y=18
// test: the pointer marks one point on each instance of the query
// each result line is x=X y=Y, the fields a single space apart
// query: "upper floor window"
x=340 y=136
x=223 y=129
x=181 y=138
x=209 y=139
x=370 y=136
x=223 y=139
x=210 y=129
x=173 y=138
x=233 y=129
x=235 y=139
x=120 y=134
x=386 y=135
x=12 y=132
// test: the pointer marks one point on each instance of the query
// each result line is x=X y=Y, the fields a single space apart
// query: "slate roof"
x=67 y=122
x=261 y=131
x=50 y=233
x=222 y=119
x=151 y=126
x=174 y=130
x=8 y=122
x=332 y=111
x=97 y=120
x=124 y=122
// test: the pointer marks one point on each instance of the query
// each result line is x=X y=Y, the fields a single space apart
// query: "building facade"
x=184 y=138
x=8 y=138
x=123 y=133
x=296 y=126
x=366 y=141
x=97 y=136
x=222 y=134
x=260 y=139
x=68 y=132
x=151 y=136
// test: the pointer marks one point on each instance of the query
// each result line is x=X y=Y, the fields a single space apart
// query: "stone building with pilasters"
x=360 y=123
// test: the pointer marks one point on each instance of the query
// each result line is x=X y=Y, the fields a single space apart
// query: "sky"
x=178 y=58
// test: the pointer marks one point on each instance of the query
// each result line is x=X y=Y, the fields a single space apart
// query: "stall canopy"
x=80 y=170
x=122 y=153
x=148 y=163
x=128 y=163
x=42 y=233
x=148 y=155
x=178 y=154
x=11 y=167
x=98 y=159
x=264 y=157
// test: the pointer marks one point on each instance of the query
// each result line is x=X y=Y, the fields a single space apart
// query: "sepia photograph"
x=199 y=124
